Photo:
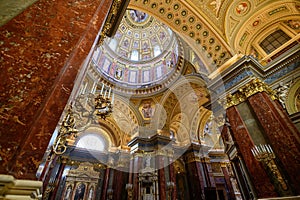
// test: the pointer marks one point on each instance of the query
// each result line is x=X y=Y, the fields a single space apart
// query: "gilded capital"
x=251 y=88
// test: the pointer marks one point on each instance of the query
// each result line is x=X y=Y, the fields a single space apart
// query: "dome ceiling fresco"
x=144 y=52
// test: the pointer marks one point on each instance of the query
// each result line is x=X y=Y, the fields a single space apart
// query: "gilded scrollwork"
x=66 y=134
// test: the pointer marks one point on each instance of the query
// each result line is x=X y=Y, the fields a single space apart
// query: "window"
x=274 y=41
x=157 y=51
x=135 y=55
x=93 y=142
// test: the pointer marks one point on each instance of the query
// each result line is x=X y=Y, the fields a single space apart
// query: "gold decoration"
x=103 y=105
x=66 y=134
x=113 y=19
x=264 y=153
x=191 y=157
x=253 y=87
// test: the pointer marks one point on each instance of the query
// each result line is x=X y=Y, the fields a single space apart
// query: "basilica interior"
x=150 y=99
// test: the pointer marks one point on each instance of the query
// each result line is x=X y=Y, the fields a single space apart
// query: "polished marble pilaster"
x=105 y=184
x=42 y=50
x=244 y=143
x=281 y=133
x=227 y=181
x=194 y=175
x=173 y=179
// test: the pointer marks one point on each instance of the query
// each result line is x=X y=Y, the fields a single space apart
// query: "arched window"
x=157 y=51
x=92 y=142
x=113 y=44
x=135 y=55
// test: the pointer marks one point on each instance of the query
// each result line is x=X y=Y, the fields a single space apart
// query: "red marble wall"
x=281 y=133
x=41 y=52
x=244 y=143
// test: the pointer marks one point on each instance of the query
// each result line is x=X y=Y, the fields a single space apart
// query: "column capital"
x=251 y=88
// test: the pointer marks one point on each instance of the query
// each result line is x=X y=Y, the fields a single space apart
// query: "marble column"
x=120 y=180
x=46 y=168
x=42 y=50
x=281 y=133
x=105 y=184
x=173 y=179
x=227 y=181
x=59 y=176
x=49 y=170
x=161 y=176
x=195 y=178
x=244 y=143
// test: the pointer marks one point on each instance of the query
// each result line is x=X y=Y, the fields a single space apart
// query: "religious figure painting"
x=147 y=109
x=79 y=195
x=138 y=16
x=68 y=193
x=91 y=193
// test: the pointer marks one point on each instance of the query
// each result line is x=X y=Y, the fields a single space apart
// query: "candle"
x=67 y=117
x=83 y=91
x=101 y=92
x=109 y=92
x=94 y=88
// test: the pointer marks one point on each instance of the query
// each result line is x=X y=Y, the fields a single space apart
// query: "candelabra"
x=170 y=187
x=110 y=194
x=264 y=153
x=129 y=188
x=66 y=134
x=104 y=104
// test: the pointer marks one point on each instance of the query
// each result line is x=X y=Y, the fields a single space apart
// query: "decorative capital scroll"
x=113 y=19
x=251 y=88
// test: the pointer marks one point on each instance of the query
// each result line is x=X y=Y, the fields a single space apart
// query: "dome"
x=143 y=53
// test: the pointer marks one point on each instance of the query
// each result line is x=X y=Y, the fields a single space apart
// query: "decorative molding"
x=12 y=188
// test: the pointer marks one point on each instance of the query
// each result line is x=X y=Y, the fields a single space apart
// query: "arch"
x=180 y=125
x=241 y=31
x=292 y=98
x=187 y=94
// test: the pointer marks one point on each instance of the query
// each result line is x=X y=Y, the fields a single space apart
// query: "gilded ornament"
x=253 y=87
x=154 y=5
x=112 y=19
x=66 y=133
x=176 y=7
